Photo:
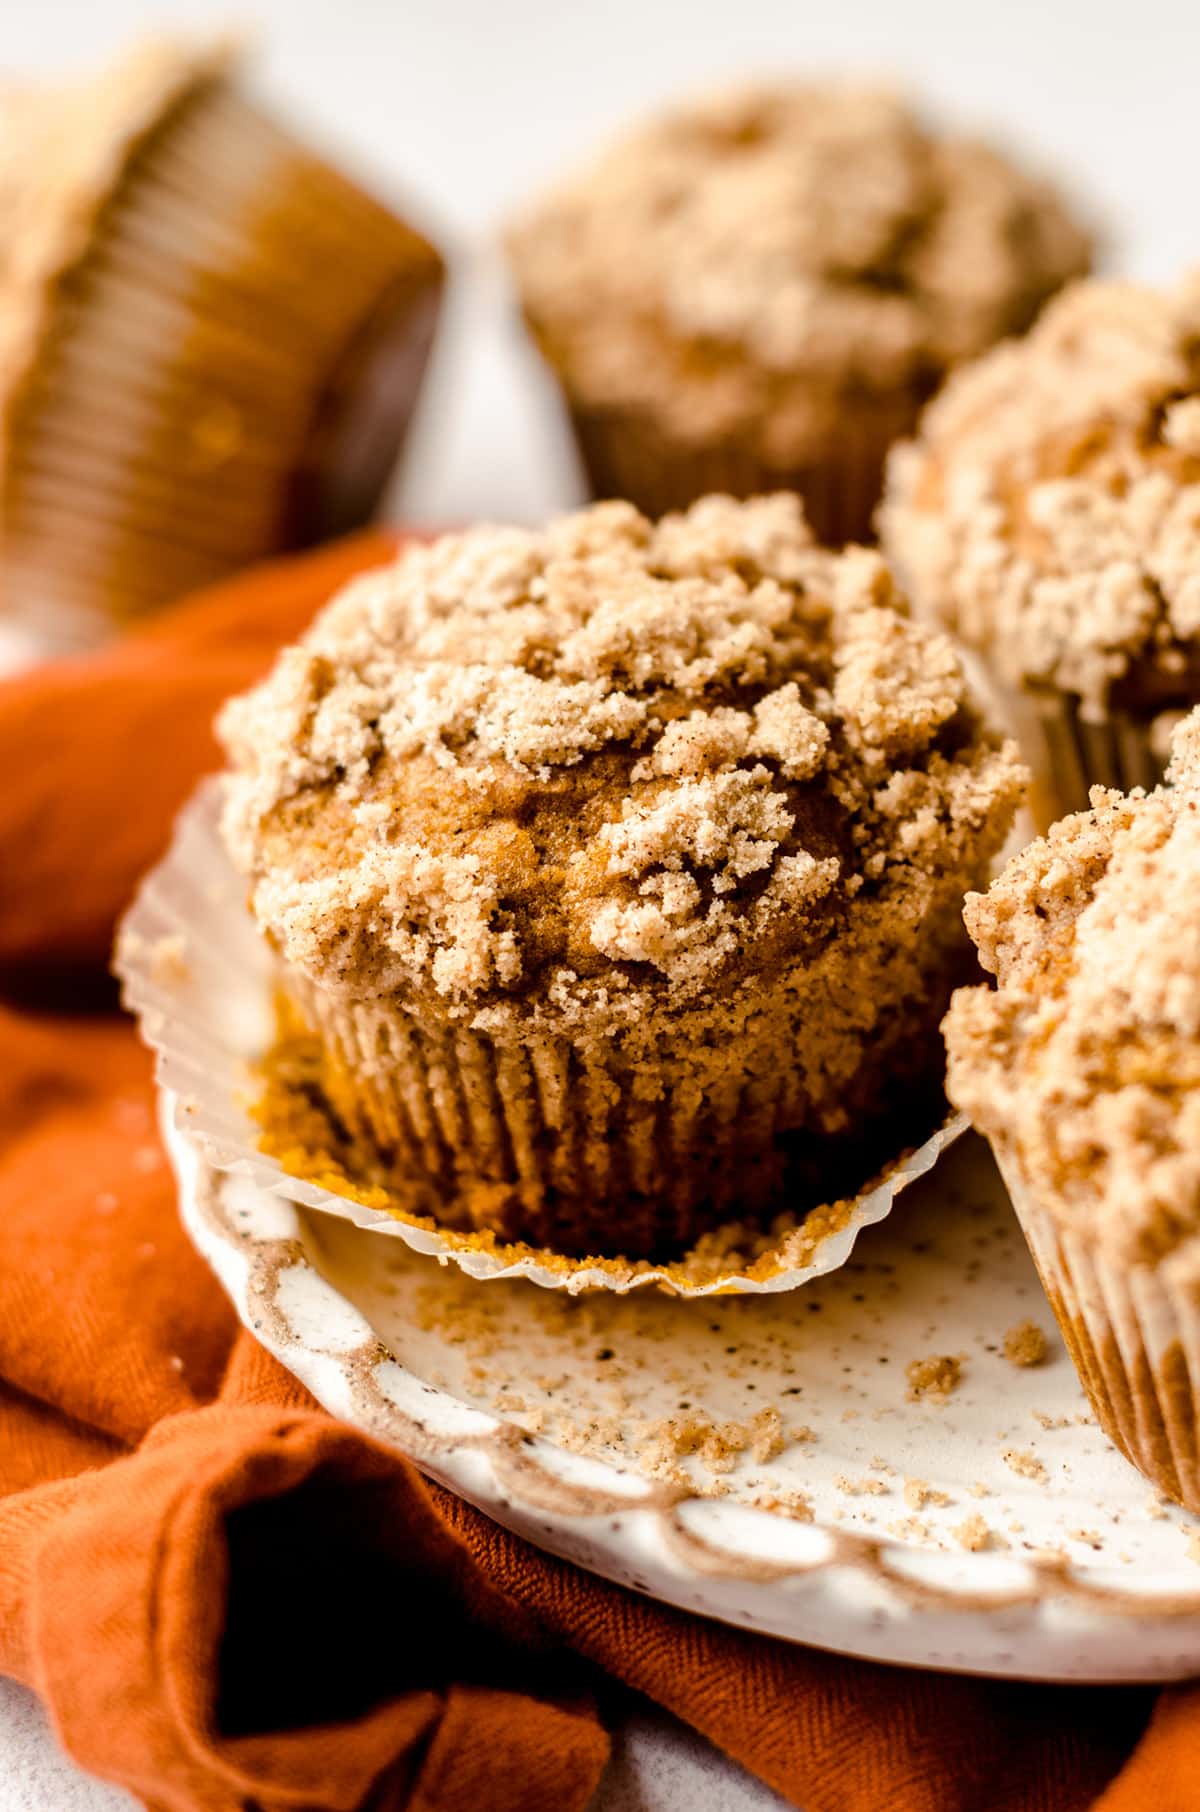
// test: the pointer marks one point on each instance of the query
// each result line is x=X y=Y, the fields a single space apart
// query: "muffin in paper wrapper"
x=212 y=341
x=202 y=981
x=1133 y=1332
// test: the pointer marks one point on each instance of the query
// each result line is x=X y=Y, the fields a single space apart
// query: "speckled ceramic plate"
x=763 y=1460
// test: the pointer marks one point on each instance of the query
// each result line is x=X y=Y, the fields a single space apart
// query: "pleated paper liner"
x=1070 y=752
x=626 y=454
x=1133 y=1332
x=227 y=371
x=202 y=981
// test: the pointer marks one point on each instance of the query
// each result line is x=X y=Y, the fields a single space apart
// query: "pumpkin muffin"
x=618 y=868
x=1083 y=1069
x=759 y=291
x=1049 y=512
x=210 y=340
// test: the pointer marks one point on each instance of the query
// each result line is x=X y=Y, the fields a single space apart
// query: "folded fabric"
x=226 y=1598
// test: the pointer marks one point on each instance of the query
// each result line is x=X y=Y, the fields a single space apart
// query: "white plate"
x=1085 y=1577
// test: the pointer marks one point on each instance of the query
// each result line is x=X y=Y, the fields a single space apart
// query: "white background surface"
x=460 y=108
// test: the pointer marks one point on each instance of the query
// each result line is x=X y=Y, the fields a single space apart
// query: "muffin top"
x=605 y=766
x=1050 y=509
x=63 y=151
x=777 y=246
x=1085 y=1061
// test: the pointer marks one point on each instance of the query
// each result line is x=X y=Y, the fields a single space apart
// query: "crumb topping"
x=1085 y=1061
x=605 y=764
x=780 y=245
x=1050 y=508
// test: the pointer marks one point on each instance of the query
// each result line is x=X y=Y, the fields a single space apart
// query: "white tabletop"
x=657 y=1766
x=462 y=107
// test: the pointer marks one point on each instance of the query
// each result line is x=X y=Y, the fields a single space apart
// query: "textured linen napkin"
x=226 y=1598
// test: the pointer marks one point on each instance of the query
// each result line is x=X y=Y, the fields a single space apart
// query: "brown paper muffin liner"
x=227 y=371
x=1069 y=753
x=626 y=454
x=1133 y=1332
x=562 y=1143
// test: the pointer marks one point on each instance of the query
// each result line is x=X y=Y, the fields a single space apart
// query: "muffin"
x=1049 y=512
x=1083 y=1069
x=618 y=868
x=210 y=340
x=759 y=291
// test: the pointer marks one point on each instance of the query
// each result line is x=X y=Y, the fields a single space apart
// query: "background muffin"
x=619 y=868
x=761 y=289
x=1083 y=1068
x=1049 y=511
x=210 y=341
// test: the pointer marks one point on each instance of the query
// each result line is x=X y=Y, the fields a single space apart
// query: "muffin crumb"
x=918 y=1493
x=1025 y=1464
x=792 y=1504
x=973 y=1534
x=1025 y=1344
x=935 y=1378
x=864 y=1487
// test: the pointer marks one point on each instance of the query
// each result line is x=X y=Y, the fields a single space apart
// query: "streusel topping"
x=1086 y=1059
x=608 y=761
x=1050 y=510
x=772 y=234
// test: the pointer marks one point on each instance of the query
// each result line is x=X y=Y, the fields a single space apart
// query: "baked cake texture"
x=618 y=866
x=764 y=285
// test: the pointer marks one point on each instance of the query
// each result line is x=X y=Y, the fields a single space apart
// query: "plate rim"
x=507 y=1472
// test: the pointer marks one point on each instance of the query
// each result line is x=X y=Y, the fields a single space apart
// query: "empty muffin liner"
x=626 y=454
x=1133 y=1332
x=202 y=982
x=227 y=369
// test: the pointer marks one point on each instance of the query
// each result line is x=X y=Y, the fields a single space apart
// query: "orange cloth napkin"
x=226 y=1598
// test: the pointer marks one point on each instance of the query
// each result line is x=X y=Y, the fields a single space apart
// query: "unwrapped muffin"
x=619 y=868
x=1083 y=1069
x=761 y=289
x=1049 y=512
x=210 y=340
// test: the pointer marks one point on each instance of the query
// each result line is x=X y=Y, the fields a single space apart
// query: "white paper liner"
x=199 y=977
x=1069 y=753
x=1133 y=1332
